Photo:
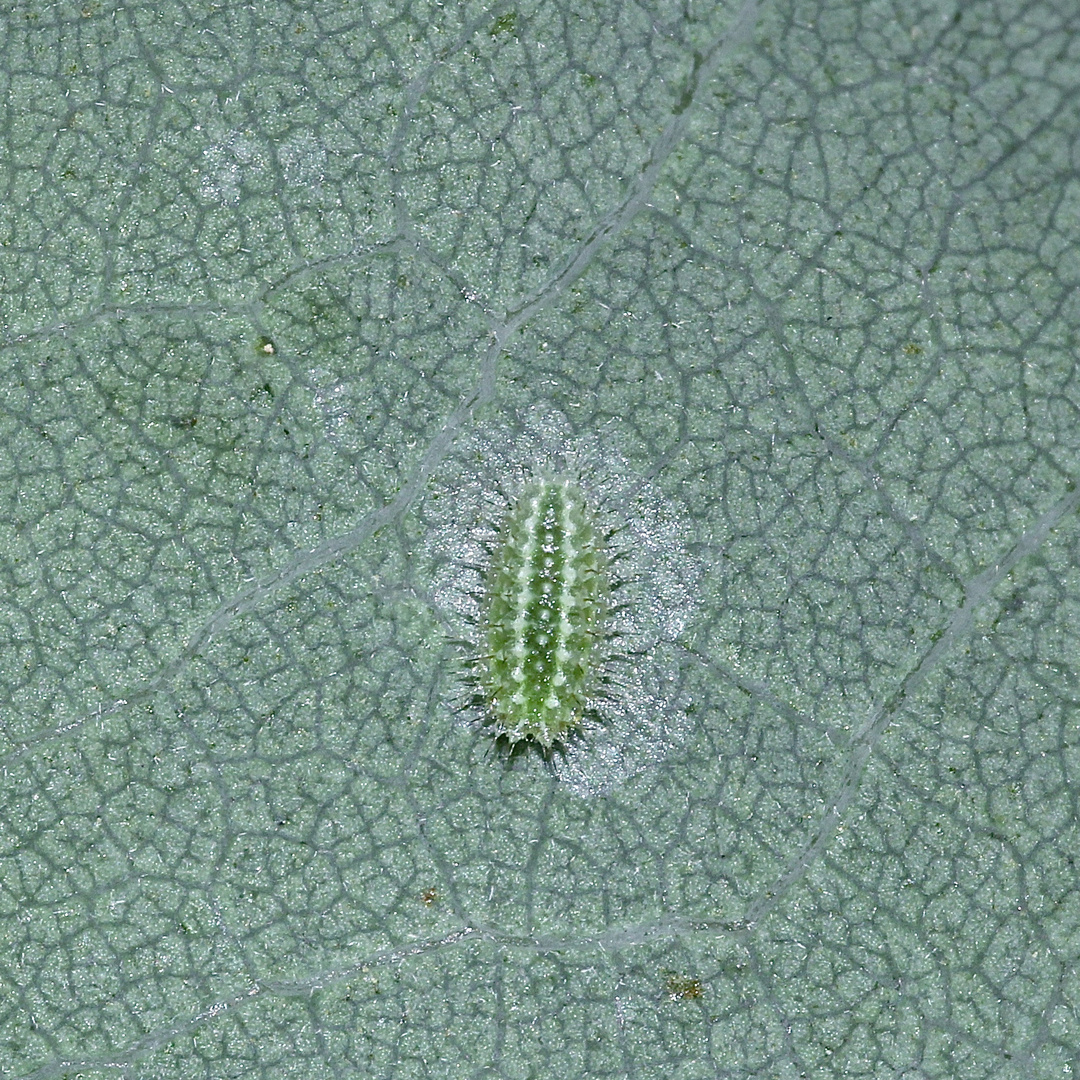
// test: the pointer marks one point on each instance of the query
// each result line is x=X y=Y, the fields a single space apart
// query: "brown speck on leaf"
x=681 y=988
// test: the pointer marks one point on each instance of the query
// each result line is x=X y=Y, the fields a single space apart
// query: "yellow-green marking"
x=547 y=600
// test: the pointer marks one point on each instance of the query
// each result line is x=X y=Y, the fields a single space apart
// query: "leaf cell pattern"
x=812 y=264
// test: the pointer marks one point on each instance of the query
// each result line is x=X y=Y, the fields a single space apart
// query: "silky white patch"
x=640 y=716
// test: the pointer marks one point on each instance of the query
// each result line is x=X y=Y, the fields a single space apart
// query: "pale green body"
x=547 y=603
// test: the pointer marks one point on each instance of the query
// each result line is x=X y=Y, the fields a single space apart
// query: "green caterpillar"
x=547 y=600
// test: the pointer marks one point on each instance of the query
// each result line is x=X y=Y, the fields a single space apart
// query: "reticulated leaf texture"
x=293 y=295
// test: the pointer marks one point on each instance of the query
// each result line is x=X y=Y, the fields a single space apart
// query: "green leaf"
x=286 y=291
